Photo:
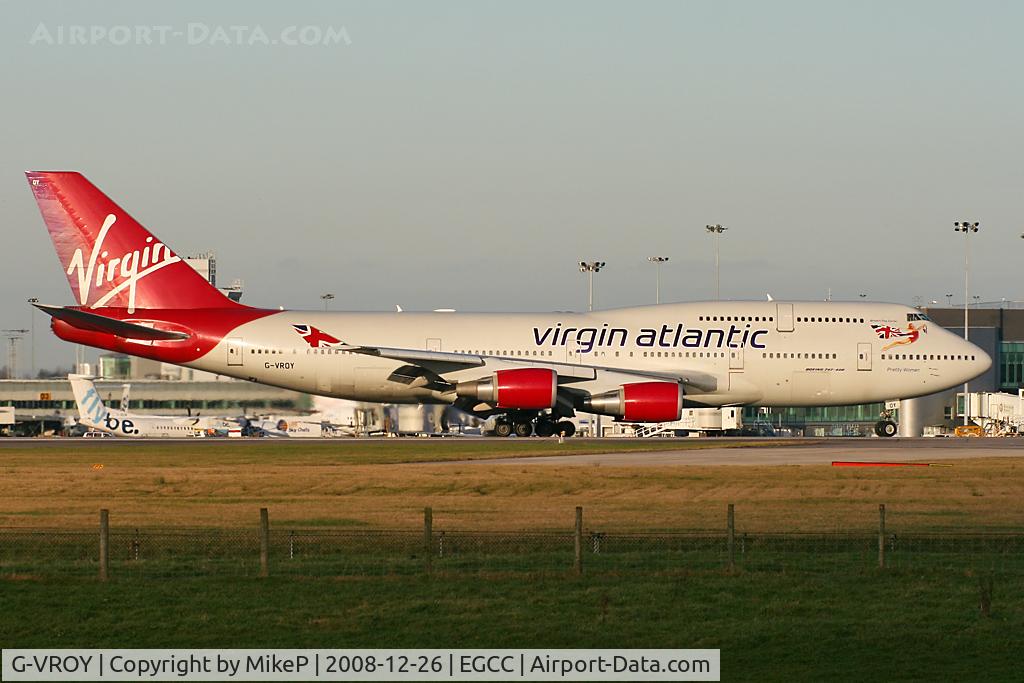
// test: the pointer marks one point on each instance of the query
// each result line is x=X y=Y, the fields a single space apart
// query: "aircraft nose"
x=980 y=363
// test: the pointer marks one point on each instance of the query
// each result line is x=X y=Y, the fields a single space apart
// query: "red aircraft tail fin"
x=110 y=259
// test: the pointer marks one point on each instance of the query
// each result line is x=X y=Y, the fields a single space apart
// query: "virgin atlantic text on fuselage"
x=589 y=338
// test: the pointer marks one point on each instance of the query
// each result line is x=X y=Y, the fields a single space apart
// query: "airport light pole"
x=13 y=337
x=657 y=261
x=591 y=267
x=949 y=297
x=966 y=227
x=33 y=301
x=717 y=231
x=327 y=298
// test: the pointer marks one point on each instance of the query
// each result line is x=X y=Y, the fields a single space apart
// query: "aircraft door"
x=784 y=317
x=323 y=367
x=236 y=351
x=736 y=358
x=579 y=354
x=864 y=356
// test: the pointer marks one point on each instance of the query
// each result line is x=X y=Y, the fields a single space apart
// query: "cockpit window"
x=916 y=316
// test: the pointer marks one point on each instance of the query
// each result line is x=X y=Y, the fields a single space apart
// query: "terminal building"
x=47 y=406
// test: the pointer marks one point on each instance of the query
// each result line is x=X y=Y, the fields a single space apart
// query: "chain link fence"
x=281 y=550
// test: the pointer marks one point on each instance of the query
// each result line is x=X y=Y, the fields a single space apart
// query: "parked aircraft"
x=94 y=414
x=134 y=295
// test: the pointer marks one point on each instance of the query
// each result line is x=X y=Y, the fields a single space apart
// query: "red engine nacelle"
x=640 y=402
x=522 y=389
x=652 y=402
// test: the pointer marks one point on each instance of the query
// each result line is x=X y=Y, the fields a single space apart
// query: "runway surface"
x=796 y=451
x=806 y=453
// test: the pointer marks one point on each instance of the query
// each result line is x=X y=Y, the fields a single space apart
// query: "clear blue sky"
x=468 y=154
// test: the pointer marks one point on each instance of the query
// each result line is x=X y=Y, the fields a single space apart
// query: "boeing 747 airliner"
x=134 y=294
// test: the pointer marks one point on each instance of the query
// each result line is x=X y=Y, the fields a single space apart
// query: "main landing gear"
x=542 y=425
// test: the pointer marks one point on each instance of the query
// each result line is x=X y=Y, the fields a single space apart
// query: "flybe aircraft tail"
x=110 y=259
x=91 y=411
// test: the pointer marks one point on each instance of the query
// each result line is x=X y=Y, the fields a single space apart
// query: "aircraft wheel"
x=565 y=428
x=886 y=428
x=503 y=429
x=522 y=428
x=544 y=428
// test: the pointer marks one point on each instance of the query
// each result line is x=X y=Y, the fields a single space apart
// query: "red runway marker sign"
x=853 y=463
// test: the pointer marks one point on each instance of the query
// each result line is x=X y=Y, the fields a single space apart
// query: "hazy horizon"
x=468 y=154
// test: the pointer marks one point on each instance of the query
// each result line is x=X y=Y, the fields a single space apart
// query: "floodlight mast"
x=657 y=261
x=967 y=228
x=591 y=267
x=717 y=231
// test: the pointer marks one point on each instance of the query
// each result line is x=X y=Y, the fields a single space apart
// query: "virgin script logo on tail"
x=316 y=338
x=129 y=268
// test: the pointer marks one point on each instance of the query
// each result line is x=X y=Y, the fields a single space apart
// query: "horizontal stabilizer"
x=99 y=323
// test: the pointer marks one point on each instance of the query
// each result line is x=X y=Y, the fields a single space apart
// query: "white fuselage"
x=764 y=353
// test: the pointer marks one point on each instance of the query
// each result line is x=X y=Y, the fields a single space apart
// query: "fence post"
x=731 y=527
x=428 y=538
x=264 y=543
x=881 y=536
x=104 y=544
x=579 y=540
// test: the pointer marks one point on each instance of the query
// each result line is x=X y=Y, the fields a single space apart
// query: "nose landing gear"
x=885 y=428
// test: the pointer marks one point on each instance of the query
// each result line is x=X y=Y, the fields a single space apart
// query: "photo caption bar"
x=359 y=665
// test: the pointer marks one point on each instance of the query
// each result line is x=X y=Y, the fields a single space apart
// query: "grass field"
x=798 y=619
x=866 y=625
x=387 y=484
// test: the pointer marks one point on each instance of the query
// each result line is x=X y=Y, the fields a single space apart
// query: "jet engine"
x=640 y=402
x=521 y=389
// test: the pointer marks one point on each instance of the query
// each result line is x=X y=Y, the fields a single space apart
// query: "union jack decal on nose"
x=316 y=338
x=908 y=336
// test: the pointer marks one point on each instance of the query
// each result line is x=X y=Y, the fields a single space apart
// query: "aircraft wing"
x=458 y=361
x=705 y=382
x=438 y=363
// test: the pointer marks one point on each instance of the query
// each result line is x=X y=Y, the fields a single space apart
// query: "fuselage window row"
x=737 y=318
x=671 y=354
x=811 y=319
x=924 y=356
